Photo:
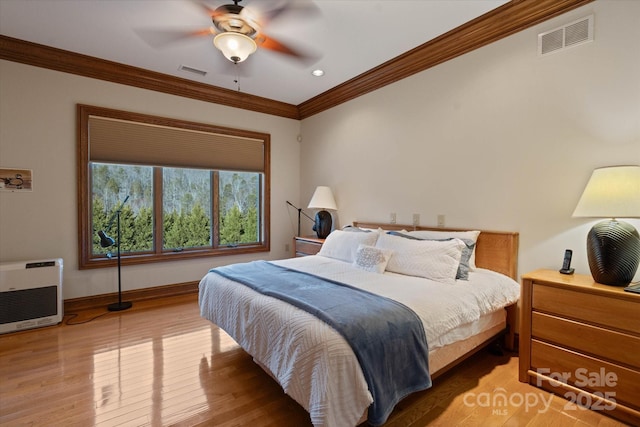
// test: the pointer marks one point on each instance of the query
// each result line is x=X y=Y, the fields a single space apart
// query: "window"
x=183 y=189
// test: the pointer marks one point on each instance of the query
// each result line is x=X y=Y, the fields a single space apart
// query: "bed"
x=315 y=364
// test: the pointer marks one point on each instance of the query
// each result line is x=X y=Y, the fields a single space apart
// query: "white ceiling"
x=350 y=37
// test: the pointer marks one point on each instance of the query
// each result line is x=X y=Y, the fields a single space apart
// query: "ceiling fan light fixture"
x=236 y=47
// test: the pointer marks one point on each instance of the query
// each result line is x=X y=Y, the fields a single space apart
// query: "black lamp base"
x=613 y=251
x=322 y=227
x=119 y=306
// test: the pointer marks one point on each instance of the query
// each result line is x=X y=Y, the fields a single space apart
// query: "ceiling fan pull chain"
x=237 y=79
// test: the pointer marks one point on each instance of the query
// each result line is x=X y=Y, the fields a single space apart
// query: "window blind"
x=122 y=141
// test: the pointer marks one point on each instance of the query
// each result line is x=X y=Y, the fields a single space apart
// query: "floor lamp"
x=300 y=211
x=105 y=242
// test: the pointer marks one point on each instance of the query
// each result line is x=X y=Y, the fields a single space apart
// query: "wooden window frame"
x=85 y=233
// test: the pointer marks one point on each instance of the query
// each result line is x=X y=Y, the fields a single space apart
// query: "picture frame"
x=16 y=180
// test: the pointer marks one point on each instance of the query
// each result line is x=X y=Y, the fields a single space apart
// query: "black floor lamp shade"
x=613 y=252
x=105 y=240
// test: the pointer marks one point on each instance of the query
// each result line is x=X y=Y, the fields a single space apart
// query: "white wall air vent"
x=572 y=34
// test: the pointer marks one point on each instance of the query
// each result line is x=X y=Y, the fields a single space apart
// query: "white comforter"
x=311 y=361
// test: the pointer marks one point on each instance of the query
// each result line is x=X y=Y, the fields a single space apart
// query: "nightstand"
x=303 y=246
x=581 y=340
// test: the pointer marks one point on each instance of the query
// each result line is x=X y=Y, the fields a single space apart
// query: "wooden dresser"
x=303 y=246
x=581 y=340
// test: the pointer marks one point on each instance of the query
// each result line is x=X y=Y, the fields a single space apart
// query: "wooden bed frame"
x=495 y=250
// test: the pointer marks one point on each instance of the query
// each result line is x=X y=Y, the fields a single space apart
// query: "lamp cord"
x=74 y=315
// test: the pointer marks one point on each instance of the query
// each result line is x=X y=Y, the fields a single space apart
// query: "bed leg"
x=510 y=335
x=495 y=348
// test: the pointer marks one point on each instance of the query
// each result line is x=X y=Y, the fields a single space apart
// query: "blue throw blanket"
x=386 y=336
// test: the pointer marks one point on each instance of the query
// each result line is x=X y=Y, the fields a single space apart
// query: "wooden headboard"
x=495 y=250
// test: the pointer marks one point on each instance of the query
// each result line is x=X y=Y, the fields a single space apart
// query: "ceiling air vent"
x=192 y=70
x=572 y=34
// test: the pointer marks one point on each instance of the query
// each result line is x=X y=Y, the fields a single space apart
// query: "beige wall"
x=499 y=138
x=38 y=131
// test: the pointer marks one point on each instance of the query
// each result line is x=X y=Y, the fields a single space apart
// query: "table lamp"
x=322 y=199
x=613 y=246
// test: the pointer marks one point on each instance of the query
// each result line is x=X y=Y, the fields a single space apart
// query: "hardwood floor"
x=160 y=363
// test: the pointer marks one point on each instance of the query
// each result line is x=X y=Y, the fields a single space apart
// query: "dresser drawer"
x=587 y=373
x=616 y=313
x=611 y=345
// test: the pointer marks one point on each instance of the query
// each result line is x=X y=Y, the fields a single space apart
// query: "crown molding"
x=74 y=63
x=492 y=26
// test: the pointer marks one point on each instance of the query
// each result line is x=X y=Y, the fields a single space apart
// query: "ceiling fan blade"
x=272 y=44
x=304 y=7
x=160 y=38
x=205 y=8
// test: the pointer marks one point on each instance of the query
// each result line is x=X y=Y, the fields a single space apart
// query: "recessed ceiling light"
x=318 y=73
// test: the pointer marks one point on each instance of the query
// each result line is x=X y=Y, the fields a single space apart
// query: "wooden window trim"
x=85 y=232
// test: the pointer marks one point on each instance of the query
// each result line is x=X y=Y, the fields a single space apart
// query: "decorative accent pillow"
x=467 y=252
x=343 y=245
x=431 y=259
x=469 y=235
x=372 y=259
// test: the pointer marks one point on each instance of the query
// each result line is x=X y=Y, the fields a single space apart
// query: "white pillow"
x=431 y=259
x=343 y=245
x=463 y=267
x=469 y=235
x=372 y=259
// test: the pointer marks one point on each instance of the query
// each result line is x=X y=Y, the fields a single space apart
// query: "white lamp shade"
x=322 y=199
x=612 y=192
x=236 y=47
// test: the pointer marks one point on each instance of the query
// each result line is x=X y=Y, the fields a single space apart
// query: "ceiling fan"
x=239 y=31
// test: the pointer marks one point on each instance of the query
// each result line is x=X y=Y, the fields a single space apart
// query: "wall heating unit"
x=30 y=294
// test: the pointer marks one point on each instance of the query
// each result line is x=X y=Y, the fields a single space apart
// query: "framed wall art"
x=16 y=180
